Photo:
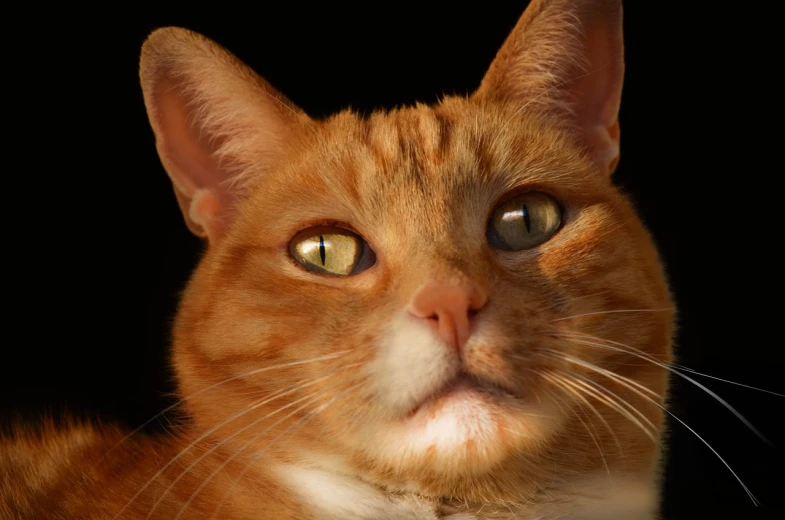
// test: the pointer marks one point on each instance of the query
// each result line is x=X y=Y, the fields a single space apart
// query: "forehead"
x=437 y=166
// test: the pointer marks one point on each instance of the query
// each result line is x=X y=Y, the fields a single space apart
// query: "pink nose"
x=449 y=308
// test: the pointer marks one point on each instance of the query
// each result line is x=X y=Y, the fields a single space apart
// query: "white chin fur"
x=411 y=364
x=460 y=428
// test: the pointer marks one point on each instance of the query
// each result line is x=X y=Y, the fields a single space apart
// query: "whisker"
x=576 y=392
x=563 y=301
x=212 y=430
x=686 y=369
x=611 y=399
x=224 y=441
x=595 y=438
x=719 y=399
x=676 y=365
x=615 y=311
x=209 y=478
x=581 y=386
x=644 y=396
x=595 y=368
x=239 y=477
x=184 y=399
x=520 y=434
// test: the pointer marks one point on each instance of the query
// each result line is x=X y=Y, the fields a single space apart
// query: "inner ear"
x=194 y=163
x=216 y=122
x=565 y=60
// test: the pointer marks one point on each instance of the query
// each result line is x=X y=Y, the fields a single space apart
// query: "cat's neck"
x=326 y=489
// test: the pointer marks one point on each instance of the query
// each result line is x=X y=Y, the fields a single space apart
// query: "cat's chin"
x=465 y=399
x=468 y=426
x=465 y=413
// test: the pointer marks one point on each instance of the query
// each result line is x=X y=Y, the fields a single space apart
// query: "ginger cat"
x=433 y=312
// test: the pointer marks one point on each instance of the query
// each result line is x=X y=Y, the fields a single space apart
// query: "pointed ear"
x=565 y=59
x=217 y=124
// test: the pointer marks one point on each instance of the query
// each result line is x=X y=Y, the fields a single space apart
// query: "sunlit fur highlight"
x=419 y=184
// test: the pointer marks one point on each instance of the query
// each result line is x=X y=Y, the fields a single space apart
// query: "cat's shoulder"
x=41 y=461
x=47 y=445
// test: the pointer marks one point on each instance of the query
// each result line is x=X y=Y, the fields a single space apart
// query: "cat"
x=441 y=311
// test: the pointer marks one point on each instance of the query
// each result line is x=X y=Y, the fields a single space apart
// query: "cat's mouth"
x=464 y=389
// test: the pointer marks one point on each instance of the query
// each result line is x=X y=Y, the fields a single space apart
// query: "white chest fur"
x=336 y=497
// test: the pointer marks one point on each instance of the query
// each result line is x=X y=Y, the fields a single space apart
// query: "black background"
x=97 y=250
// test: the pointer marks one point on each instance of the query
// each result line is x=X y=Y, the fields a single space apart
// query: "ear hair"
x=565 y=60
x=216 y=123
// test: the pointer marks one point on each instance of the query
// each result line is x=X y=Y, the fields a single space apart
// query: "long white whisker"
x=212 y=430
x=644 y=396
x=209 y=478
x=674 y=365
x=719 y=399
x=239 y=477
x=621 y=405
x=678 y=366
x=563 y=301
x=577 y=392
x=595 y=438
x=184 y=399
x=686 y=369
x=223 y=441
x=615 y=311
x=603 y=371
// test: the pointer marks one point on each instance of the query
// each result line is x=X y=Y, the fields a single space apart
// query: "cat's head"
x=449 y=299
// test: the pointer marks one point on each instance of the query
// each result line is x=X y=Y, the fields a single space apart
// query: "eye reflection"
x=331 y=250
x=524 y=221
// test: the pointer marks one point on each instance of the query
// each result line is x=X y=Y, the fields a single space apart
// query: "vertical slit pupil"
x=322 y=254
x=526 y=220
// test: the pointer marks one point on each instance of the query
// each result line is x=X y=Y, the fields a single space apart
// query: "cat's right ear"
x=217 y=124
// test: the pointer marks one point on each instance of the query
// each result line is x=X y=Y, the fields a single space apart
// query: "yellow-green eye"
x=524 y=221
x=331 y=250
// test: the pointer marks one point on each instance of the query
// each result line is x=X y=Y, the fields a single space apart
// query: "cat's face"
x=431 y=298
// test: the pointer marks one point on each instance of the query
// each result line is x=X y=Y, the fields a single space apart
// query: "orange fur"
x=418 y=183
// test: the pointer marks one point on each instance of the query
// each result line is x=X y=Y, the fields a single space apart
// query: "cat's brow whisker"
x=719 y=399
x=613 y=311
x=663 y=408
x=248 y=466
x=223 y=382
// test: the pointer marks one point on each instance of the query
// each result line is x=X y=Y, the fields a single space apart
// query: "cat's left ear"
x=565 y=60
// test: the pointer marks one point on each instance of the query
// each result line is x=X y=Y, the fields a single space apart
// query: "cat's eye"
x=331 y=251
x=524 y=221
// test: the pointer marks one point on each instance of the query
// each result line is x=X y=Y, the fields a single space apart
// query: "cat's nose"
x=449 y=309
